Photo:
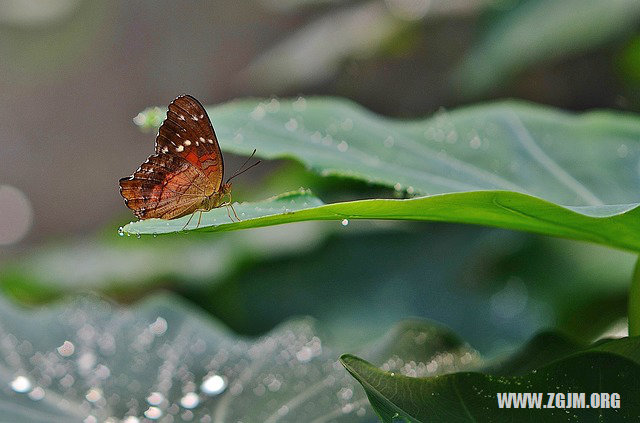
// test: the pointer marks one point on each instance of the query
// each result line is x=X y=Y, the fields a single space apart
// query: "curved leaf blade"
x=492 y=208
x=610 y=367
x=571 y=160
x=507 y=164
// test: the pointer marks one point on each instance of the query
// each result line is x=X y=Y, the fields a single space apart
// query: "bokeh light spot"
x=16 y=215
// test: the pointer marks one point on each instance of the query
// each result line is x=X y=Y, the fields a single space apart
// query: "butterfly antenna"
x=240 y=171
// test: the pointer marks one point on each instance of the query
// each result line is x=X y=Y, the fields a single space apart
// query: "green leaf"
x=470 y=393
x=87 y=357
x=506 y=164
x=492 y=208
x=535 y=31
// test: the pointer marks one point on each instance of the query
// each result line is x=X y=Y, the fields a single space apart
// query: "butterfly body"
x=186 y=173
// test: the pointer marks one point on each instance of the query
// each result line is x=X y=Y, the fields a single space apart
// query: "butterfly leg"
x=230 y=204
x=199 y=218
x=234 y=212
x=228 y=214
x=189 y=221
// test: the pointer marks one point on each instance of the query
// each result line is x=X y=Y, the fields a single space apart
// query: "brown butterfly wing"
x=187 y=133
x=165 y=186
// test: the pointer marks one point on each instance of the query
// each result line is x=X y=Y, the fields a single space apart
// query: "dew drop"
x=258 y=113
x=300 y=104
x=140 y=119
x=90 y=419
x=345 y=222
x=102 y=371
x=283 y=411
x=138 y=236
x=36 y=394
x=343 y=146
x=66 y=349
x=159 y=327
x=155 y=235
x=273 y=106
x=153 y=413
x=213 y=385
x=347 y=124
x=67 y=381
x=410 y=190
x=93 y=395
x=291 y=125
x=259 y=390
x=21 y=384
x=131 y=419
x=121 y=231
x=398 y=186
x=345 y=394
x=274 y=385
x=304 y=355
x=347 y=408
x=155 y=398
x=389 y=141
x=190 y=400
x=86 y=361
x=475 y=142
x=623 y=151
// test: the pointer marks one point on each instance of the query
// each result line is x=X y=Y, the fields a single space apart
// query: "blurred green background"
x=74 y=73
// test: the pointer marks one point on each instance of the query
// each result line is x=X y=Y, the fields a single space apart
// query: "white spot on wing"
x=165 y=150
x=210 y=141
x=179 y=148
x=181 y=117
x=187 y=143
x=201 y=139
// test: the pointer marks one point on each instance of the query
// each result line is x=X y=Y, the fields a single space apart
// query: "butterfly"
x=186 y=173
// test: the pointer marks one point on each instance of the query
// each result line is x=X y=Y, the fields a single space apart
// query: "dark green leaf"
x=611 y=366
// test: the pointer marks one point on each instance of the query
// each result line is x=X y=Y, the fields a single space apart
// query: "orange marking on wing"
x=192 y=157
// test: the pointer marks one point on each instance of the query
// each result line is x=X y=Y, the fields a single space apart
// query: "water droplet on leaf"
x=21 y=384
x=190 y=400
x=153 y=413
x=213 y=385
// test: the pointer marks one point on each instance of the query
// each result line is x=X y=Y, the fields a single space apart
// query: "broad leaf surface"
x=506 y=164
x=492 y=208
x=470 y=393
x=90 y=358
